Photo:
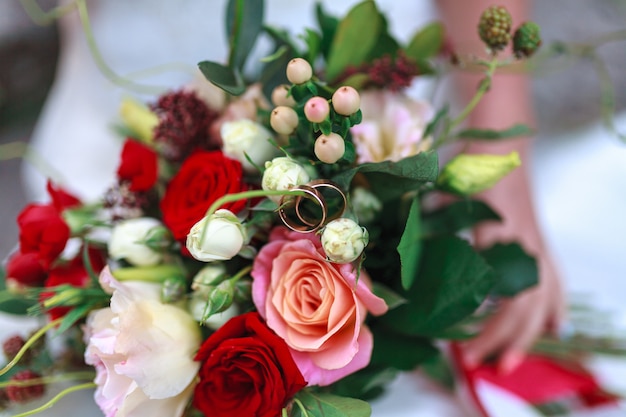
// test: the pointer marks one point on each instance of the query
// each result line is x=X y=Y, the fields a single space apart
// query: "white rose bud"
x=282 y=174
x=128 y=241
x=208 y=276
x=223 y=238
x=245 y=137
x=343 y=240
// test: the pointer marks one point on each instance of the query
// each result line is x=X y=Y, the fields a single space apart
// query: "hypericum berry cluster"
x=331 y=117
x=494 y=28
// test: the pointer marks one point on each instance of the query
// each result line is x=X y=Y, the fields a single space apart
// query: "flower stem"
x=28 y=344
x=56 y=398
x=48 y=379
x=244 y=195
x=484 y=86
x=36 y=13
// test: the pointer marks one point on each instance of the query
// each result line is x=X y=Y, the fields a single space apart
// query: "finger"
x=498 y=330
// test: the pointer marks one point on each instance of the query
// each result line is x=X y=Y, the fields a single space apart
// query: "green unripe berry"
x=494 y=27
x=526 y=40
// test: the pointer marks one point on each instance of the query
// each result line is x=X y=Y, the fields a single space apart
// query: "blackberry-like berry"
x=494 y=27
x=12 y=346
x=526 y=40
x=22 y=394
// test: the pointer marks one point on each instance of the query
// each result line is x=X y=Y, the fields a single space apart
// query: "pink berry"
x=346 y=100
x=329 y=148
x=316 y=109
x=284 y=120
x=280 y=97
x=299 y=71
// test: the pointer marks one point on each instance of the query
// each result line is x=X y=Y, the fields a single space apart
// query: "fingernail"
x=510 y=361
x=470 y=360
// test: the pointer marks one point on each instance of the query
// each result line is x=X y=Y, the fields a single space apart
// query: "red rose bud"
x=24 y=269
x=139 y=166
x=42 y=230
x=247 y=370
x=25 y=393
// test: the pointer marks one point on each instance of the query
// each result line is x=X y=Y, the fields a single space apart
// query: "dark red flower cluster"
x=184 y=125
x=389 y=72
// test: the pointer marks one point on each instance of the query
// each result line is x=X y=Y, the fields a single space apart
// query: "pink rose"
x=316 y=306
x=392 y=127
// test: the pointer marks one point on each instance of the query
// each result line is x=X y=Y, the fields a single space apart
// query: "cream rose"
x=317 y=307
x=142 y=350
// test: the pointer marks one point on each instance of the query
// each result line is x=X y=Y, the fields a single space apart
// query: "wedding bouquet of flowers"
x=267 y=247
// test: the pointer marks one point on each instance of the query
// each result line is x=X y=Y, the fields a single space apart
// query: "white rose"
x=245 y=137
x=282 y=174
x=223 y=238
x=128 y=241
x=129 y=344
x=343 y=240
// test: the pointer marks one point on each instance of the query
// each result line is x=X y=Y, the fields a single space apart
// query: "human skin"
x=520 y=320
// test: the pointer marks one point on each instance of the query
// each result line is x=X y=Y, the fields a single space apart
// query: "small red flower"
x=25 y=269
x=43 y=231
x=246 y=370
x=139 y=166
x=61 y=199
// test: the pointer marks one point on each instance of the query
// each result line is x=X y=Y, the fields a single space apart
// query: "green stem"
x=56 y=398
x=48 y=379
x=245 y=195
x=484 y=86
x=28 y=344
x=242 y=273
x=36 y=13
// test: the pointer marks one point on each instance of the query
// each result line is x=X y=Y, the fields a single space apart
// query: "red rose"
x=25 y=269
x=61 y=199
x=139 y=166
x=203 y=178
x=246 y=370
x=42 y=230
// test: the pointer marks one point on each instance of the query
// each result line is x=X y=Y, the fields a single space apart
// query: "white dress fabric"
x=581 y=214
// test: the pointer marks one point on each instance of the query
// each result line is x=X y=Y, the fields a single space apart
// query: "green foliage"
x=328 y=405
x=328 y=25
x=515 y=270
x=453 y=280
x=400 y=351
x=365 y=384
x=488 y=134
x=424 y=45
x=10 y=302
x=457 y=216
x=410 y=246
x=228 y=79
x=361 y=26
x=244 y=22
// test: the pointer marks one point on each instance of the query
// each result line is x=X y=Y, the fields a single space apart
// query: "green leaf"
x=361 y=26
x=406 y=175
x=328 y=25
x=410 y=246
x=12 y=303
x=488 y=134
x=401 y=351
x=453 y=281
x=244 y=22
x=224 y=77
x=457 y=216
x=426 y=43
x=392 y=298
x=440 y=117
x=329 y=405
x=366 y=383
x=314 y=42
x=515 y=270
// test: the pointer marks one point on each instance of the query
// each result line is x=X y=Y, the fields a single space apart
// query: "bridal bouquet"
x=267 y=247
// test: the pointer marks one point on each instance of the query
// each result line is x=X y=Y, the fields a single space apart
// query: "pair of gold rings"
x=322 y=202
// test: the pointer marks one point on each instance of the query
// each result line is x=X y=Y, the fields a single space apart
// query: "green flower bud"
x=173 y=289
x=470 y=174
x=494 y=28
x=139 y=119
x=526 y=40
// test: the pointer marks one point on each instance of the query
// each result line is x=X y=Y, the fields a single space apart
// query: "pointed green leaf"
x=328 y=405
x=361 y=27
x=488 y=134
x=457 y=216
x=426 y=43
x=12 y=303
x=400 y=351
x=328 y=25
x=222 y=76
x=410 y=246
x=244 y=22
x=515 y=269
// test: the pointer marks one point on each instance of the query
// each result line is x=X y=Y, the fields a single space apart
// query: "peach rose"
x=317 y=307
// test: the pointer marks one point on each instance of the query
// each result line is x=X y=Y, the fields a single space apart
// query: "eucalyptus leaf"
x=361 y=26
x=410 y=246
x=244 y=22
x=515 y=270
x=226 y=78
x=426 y=43
x=406 y=175
x=457 y=216
x=329 y=405
x=453 y=280
x=488 y=134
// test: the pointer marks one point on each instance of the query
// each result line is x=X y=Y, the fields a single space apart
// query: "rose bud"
x=25 y=269
x=245 y=137
x=470 y=174
x=129 y=241
x=316 y=109
x=281 y=97
x=343 y=240
x=299 y=71
x=346 y=101
x=329 y=148
x=284 y=120
x=217 y=237
x=208 y=277
x=282 y=174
